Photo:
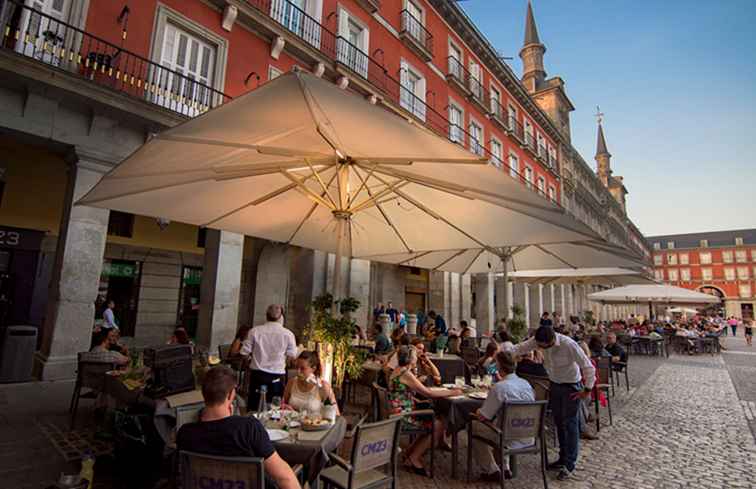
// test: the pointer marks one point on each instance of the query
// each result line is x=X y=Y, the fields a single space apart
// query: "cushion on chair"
x=338 y=476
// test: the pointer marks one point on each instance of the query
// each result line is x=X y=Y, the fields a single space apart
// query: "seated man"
x=220 y=433
x=101 y=352
x=510 y=388
x=382 y=343
x=615 y=349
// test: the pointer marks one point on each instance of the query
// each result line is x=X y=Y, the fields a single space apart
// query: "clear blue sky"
x=676 y=81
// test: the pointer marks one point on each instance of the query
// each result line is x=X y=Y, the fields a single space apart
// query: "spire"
x=601 y=142
x=531 y=32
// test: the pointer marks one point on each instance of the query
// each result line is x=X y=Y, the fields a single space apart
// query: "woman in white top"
x=307 y=391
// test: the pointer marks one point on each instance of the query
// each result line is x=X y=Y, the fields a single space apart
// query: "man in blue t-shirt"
x=219 y=432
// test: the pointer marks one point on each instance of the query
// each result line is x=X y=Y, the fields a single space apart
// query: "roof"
x=601 y=142
x=715 y=238
x=531 y=31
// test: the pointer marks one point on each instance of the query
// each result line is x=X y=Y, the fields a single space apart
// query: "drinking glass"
x=275 y=406
x=475 y=380
x=459 y=382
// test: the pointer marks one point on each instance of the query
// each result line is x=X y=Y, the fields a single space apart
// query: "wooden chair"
x=603 y=384
x=542 y=388
x=381 y=408
x=375 y=447
x=515 y=421
x=89 y=375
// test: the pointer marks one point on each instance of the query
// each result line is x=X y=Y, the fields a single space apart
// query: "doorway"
x=746 y=311
x=189 y=299
x=414 y=301
x=119 y=282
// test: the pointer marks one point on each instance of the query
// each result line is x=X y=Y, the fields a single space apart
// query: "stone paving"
x=682 y=425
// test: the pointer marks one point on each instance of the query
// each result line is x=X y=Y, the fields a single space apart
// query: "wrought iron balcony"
x=458 y=76
x=529 y=142
x=416 y=36
x=33 y=34
x=498 y=115
x=516 y=129
x=478 y=94
x=543 y=154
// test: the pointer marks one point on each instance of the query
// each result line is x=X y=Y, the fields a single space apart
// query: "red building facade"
x=720 y=263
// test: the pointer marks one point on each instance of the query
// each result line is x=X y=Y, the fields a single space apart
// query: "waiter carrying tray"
x=566 y=364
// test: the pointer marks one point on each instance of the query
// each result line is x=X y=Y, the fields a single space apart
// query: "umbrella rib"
x=362 y=185
x=455 y=255
x=555 y=256
x=86 y=201
x=409 y=161
x=320 y=181
x=311 y=102
x=259 y=201
x=307 y=192
x=373 y=199
x=272 y=150
x=308 y=215
x=380 y=209
x=469 y=265
x=419 y=255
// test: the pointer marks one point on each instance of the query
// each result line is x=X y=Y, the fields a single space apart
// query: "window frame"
x=701 y=255
x=420 y=111
x=460 y=128
x=728 y=256
x=707 y=271
x=729 y=274
x=495 y=141
x=673 y=275
x=480 y=144
x=685 y=275
x=682 y=261
x=514 y=170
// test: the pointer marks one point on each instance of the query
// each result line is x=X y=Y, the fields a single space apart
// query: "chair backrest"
x=223 y=351
x=188 y=414
x=603 y=370
x=380 y=397
x=199 y=471
x=375 y=445
x=522 y=420
x=92 y=374
x=541 y=387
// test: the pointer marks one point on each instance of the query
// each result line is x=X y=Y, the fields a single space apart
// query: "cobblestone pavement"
x=740 y=360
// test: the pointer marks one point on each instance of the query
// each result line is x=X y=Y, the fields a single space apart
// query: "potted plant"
x=517 y=327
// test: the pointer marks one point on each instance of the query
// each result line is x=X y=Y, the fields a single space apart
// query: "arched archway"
x=712 y=290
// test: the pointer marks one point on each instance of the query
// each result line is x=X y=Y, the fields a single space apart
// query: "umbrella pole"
x=650 y=311
x=505 y=298
x=340 y=221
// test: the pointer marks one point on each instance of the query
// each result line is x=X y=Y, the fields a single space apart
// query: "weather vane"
x=599 y=115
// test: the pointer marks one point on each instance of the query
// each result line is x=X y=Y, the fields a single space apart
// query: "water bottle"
x=87 y=467
x=263 y=403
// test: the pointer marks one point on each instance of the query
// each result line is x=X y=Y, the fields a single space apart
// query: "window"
x=412 y=91
x=455 y=61
x=659 y=274
x=670 y=245
x=495 y=101
x=541 y=146
x=706 y=274
x=192 y=60
x=672 y=275
x=476 y=80
x=552 y=193
x=685 y=274
x=121 y=224
x=541 y=185
x=738 y=241
x=657 y=246
x=704 y=258
x=704 y=243
x=496 y=150
x=729 y=273
x=456 y=124
x=727 y=256
x=476 y=138
x=528 y=133
x=672 y=259
x=657 y=259
x=552 y=157
x=528 y=175
x=514 y=165
x=683 y=259
x=302 y=17
x=512 y=116
x=745 y=290
x=742 y=273
x=273 y=72
x=414 y=25
x=353 y=43
x=741 y=256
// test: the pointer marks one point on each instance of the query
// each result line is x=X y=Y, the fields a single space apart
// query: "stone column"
x=570 y=299
x=501 y=301
x=465 y=299
x=552 y=300
x=562 y=302
x=454 y=300
x=510 y=298
x=219 y=290
x=520 y=298
x=359 y=288
x=534 y=305
x=67 y=329
x=484 y=302
x=438 y=293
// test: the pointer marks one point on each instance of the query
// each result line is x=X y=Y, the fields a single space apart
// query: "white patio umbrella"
x=595 y=276
x=302 y=162
x=652 y=294
x=682 y=310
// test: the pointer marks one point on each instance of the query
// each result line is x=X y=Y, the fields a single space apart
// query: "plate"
x=450 y=386
x=479 y=395
x=436 y=389
x=316 y=427
x=277 y=435
x=294 y=424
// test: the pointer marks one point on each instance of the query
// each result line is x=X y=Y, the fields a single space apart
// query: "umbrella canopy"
x=652 y=294
x=302 y=162
x=682 y=310
x=532 y=257
x=604 y=276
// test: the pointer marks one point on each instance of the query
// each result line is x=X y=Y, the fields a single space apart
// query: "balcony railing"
x=529 y=143
x=543 y=153
x=478 y=94
x=416 y=35
x=516 y=129
x=33 y=34
x=457 y=75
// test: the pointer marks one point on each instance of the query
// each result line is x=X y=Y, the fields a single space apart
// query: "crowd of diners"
x=563 y=352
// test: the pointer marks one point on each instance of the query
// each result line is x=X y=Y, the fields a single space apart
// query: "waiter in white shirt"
x=268 y=346
x=566 y=364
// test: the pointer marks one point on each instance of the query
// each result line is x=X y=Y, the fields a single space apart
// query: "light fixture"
x=343 y=82
x=276 y=47
x=162 y=223
x=229 y=16
x=318 y=69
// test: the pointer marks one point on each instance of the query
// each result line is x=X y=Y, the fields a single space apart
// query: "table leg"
x=513 y=465
x=455 y=447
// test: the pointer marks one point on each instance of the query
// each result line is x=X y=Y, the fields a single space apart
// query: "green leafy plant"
x=334 y=336
x=588 y=318
x=517 y=327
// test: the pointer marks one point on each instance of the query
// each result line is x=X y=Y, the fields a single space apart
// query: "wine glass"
x=275 y=405
x=475 y=380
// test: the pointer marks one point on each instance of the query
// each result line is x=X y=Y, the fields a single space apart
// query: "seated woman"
x=426 y=371
x=487 y=362
x=402 y=385
x=236 y=346
x=308 y=391
x=181 y=337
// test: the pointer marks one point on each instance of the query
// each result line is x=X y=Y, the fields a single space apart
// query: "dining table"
x=449 y=366
x=457 y=411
